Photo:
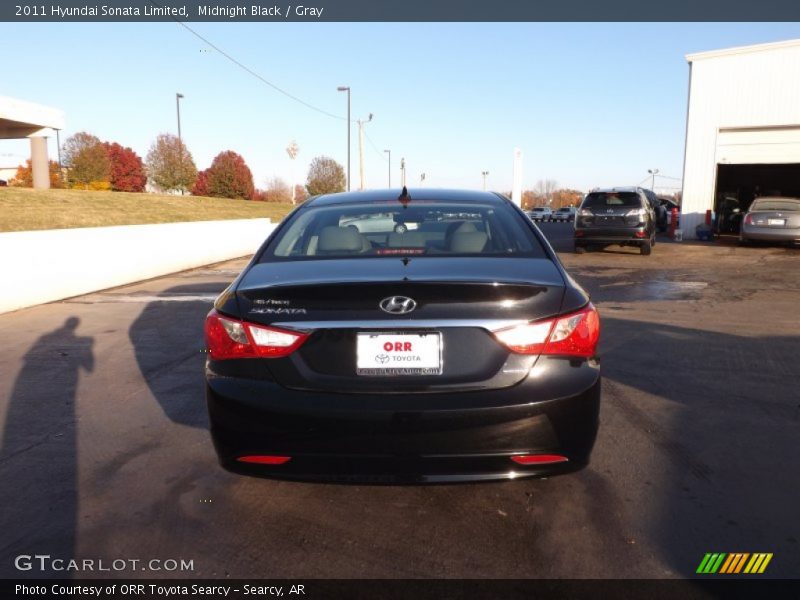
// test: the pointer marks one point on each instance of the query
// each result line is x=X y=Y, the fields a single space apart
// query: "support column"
x=40 y=166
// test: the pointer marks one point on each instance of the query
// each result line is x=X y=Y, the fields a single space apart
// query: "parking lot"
x=106 y=454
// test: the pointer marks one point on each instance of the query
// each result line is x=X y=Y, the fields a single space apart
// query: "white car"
x=566 y=213
x=540 y=213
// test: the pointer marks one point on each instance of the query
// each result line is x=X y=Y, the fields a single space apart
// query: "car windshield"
x=611 y=199
x=782 y=204
x=390 y=229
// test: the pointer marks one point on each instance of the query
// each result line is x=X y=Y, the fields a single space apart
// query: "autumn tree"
x=126 y=169
x=300 y=194
x=277 y=190
x=566 y=197
x=230 y=177
x=325 y=176
x=86 y=158
x=200 y=187
x=24 y=175
x=170 y=165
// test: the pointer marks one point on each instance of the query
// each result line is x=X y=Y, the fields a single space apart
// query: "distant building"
x=742 y=130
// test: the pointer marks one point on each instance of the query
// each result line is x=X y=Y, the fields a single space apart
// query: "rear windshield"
x=611 y=199
x=784 y=204
x=388 y=229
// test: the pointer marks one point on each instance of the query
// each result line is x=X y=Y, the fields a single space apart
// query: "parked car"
x=565 y=213
x=623 y=216
x=772 y=219
x=540 y=213
x=457 y=350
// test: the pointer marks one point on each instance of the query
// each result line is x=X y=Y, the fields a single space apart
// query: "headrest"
x=468 y=242
x=339 y=239
x=409 y=239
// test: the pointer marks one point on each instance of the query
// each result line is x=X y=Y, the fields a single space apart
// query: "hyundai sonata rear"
x=414 y=338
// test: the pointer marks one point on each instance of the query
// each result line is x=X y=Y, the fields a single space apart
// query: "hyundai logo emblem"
x=398 y=305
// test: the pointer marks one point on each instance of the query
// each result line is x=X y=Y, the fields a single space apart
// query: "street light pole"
x=344 y=88
x=178 y=107
x=485 y=174
x=178 y=97
x=653 y=172
x=390 y=167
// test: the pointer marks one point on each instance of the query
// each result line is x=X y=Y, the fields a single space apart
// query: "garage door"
x=769 y=145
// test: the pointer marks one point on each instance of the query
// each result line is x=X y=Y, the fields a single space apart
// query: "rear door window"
x=612 y=200
x=390 y=229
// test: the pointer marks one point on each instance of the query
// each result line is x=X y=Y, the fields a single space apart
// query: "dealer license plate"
x=389 y=354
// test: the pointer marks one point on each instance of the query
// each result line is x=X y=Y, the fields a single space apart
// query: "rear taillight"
x=228 y=338
x=264 y=459
x=748 y=219
x=575 y=334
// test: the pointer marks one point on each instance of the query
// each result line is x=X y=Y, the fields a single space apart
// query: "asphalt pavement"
x=105 y=452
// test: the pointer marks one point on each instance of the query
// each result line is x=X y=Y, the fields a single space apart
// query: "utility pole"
x=485 y=174
x=292 y=149
x=403 y=172
x=421 y=179
x=361 y=149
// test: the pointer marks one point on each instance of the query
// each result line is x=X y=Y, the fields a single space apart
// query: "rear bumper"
x=772 y=234
x=626 y=235
x=409 y=438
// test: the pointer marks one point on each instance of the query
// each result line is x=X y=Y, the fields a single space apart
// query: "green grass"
x=23 y=209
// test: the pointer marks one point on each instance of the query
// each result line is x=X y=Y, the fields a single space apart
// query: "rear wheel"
x=646 y=248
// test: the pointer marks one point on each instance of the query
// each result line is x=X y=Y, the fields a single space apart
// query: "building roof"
x=742 y=50
x=19 y=118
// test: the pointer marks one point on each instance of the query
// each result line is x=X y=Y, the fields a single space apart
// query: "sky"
x=589 y=104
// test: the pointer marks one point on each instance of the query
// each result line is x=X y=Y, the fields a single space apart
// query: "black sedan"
x=390 y=336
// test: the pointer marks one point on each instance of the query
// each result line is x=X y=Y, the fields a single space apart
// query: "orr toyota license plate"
x=388 y=354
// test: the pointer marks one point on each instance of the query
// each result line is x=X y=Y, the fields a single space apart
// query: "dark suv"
x=624 y=216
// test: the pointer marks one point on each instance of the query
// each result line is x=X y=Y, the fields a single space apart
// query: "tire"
x=646 y=248
x=653 y=240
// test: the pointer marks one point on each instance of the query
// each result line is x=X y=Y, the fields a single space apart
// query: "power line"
x=374 y=147
x=252 y=72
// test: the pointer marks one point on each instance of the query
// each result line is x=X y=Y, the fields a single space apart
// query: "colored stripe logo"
x=734 y=563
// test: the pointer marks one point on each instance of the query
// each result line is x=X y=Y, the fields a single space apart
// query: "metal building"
x=742 y=130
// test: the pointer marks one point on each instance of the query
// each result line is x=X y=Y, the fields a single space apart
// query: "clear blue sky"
x=589 y=104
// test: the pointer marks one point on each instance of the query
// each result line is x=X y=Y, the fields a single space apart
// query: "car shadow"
x=38 y=455
x=167 y=339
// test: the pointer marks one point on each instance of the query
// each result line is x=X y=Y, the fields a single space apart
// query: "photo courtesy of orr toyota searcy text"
x=159 y=591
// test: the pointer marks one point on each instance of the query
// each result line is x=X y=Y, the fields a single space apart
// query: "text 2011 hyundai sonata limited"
x=420 y=337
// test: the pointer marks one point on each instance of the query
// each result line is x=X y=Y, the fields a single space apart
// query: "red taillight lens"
x=228 y=338
x=575 y=334
x=748 y=219
x=538 y=459
x=261 y=459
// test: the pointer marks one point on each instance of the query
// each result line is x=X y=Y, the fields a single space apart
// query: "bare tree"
x=545 y=189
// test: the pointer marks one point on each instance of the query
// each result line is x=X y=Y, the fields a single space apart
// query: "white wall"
x=43 y=266
x=757 y=86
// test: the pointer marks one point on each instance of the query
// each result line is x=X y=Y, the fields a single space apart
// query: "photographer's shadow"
x=38 y=456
